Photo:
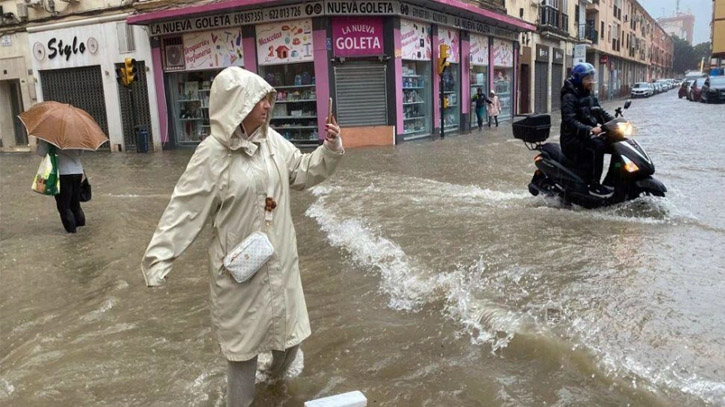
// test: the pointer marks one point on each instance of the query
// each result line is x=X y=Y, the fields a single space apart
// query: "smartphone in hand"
x=329 y=112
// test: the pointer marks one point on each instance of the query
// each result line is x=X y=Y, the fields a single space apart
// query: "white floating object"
x=351 y=399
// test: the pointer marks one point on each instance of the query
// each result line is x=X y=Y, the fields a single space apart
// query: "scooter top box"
x=533 y=129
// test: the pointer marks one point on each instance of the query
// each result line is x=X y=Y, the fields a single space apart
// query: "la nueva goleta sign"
x=329 y=8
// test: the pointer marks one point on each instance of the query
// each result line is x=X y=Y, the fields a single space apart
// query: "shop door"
x=361 y=97
x=141 y=105
x=81 y=87
x=540 y=95
x=557 y=71
x=16 y=107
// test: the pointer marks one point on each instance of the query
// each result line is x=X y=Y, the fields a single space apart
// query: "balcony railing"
x=588 y=32
x=551 y=20
x=549 y=16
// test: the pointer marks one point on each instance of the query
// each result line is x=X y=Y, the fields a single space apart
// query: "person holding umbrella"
x=65 y=131
x=68 y=200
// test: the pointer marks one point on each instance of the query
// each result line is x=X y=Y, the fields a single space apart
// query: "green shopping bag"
x=47 y=181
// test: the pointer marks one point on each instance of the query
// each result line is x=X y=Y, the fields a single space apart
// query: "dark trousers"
x=589 y=158
x=480 y=112
x=68 y=202
x=494 y=118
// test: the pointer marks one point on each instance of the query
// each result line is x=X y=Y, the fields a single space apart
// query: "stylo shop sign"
x=59 y=49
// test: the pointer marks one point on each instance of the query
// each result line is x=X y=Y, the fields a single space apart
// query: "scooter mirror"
x=627 y=104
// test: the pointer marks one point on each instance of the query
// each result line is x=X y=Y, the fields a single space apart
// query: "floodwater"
x=432 y=278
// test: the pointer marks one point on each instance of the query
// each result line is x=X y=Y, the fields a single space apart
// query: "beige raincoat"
x=226 y=180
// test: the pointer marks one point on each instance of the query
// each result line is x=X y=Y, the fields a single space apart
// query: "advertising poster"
x=415 y=40
x=357 y=36
x=479 y=50
x=282 y=43
x=213 y=49
x=503 y=53
x=450 y=38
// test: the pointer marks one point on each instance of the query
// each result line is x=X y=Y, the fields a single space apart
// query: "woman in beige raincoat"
x=227 y=181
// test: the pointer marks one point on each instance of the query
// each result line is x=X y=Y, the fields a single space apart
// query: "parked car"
x=663 y=84
x=657 y=88
x=641 y=90
x=696 y=89
x=713 y=90
x=684 y=89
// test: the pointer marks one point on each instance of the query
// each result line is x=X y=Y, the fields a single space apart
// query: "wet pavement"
x=432 y=278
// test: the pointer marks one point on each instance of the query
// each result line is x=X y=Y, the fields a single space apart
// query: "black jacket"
x=578 y=116
x=481 y=100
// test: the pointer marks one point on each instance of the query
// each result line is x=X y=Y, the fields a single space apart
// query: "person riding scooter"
x=581 y=116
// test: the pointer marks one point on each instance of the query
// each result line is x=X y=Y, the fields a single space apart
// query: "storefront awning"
x=444 y=12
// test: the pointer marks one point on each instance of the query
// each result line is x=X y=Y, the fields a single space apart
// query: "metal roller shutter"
x=541 y=78
x=141 y=101
x=557 y=71
x=361 y=94
x=80 y=87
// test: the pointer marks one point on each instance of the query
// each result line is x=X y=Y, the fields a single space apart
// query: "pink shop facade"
x=375 y=59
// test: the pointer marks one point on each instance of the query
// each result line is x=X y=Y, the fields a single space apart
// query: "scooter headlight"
x=625 y=128
x=629 y=166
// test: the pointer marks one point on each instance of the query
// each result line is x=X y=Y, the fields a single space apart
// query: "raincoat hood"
x=234 y=93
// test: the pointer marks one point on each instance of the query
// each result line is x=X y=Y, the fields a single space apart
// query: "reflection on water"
x=432 y=278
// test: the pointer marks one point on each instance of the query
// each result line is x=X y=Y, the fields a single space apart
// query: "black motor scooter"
x=630 y=169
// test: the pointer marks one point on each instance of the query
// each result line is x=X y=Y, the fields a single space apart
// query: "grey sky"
x=702 y=9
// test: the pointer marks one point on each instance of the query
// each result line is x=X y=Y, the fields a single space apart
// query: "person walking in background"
x=495 y=109
x=70 y=171
x=240 y=179
x=480 y=100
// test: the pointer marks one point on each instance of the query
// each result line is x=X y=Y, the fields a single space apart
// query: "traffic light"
x=129 y=71
x=443 y=54
x=121 y=75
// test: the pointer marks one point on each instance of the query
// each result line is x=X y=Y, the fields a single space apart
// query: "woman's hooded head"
x=234 y=93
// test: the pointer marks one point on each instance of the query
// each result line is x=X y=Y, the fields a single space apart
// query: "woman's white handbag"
x=248 y=256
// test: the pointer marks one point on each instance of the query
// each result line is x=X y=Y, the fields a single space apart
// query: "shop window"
x=451 y=92
x=189 y=97
x=478 y=74
x=503 y=76
x=417 y=79
x=417 y=93
x=479 y=80
x=295 y=110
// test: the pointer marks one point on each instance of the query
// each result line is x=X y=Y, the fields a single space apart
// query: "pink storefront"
x=376 y=59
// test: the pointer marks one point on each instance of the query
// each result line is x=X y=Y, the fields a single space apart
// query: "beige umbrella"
x=63 y=125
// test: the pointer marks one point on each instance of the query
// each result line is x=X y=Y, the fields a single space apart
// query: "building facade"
x=17 y=87
x=376 y=59
x=680 y=25
x=68 y=52
x=547 y=55
x=718 y=34
x=629 y=46
x=618 y=37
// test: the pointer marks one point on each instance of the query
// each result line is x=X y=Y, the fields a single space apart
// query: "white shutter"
x=361 y=95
